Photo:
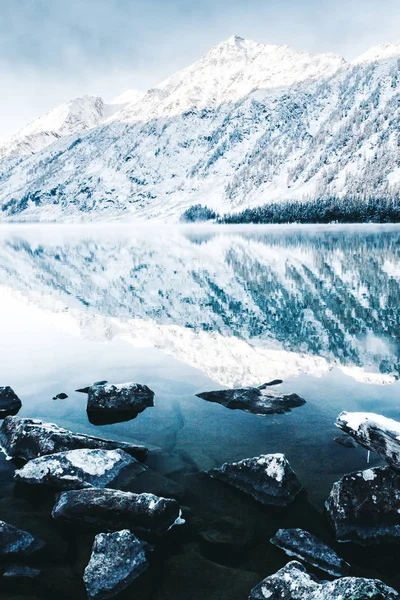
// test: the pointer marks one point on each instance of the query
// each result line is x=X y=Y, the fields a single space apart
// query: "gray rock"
x=345 y=440
x=374 y=432
x=9 y=402
x=21 y=572
x=226 y=533
x=363 y=507
x=16 y=542
x=117 y=559
x=302 y=544
x=257 y=400
x=77 y=469
x=86 y=389
x=60 y=396
x=268 y=478
x=109 y=399
x=31 y=438
x=111 y=510
x=294 y=583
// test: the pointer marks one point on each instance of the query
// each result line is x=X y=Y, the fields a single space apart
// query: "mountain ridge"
x=245 y=125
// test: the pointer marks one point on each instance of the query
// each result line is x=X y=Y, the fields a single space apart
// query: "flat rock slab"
x=374 y=432
x=268 y=478
x=78 y=469
x=111 y=510
x=9 y=402
x=117 y=559
x=226 y=533
x=363 y=507
x=294 y=583
x=118 y=400
x=21 y=572
x=30 y=438
x=257 y=400
x=302 y=544
x=15 y=542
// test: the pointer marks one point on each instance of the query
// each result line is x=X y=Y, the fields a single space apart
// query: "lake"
x=187 y=310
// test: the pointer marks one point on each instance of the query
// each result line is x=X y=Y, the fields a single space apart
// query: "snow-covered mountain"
x=245 y=125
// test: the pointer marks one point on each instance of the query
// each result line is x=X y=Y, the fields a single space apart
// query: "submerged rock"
x=294 y=583
x=363 y=507
x=79 y=469
x=258 y=400
x=117 y=559
x=304 y=545
x=21 y=572
x=61 y=396
x=111 y=510
x=345 y=440
x=374 y=432
x=16 y=542
x=9 y=402
x=227 y=533
x=114 y=402
x=268 y=478
x=30 y=438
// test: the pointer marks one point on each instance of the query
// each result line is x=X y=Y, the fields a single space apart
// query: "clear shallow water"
x=186 y=311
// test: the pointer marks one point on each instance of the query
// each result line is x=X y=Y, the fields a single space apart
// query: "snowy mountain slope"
x=127 y=97
x=246 y=125
x=286 y=299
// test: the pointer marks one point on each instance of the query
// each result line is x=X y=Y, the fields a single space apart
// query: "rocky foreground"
x=97 y=479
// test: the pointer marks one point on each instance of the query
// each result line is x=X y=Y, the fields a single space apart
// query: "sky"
x=55 y=50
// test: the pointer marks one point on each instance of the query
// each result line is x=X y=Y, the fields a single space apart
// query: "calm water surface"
x=190 y=310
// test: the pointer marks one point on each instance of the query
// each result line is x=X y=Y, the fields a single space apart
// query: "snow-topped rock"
x=380 y=52
x=118 y=400
x=30 y=438
x=363 y=507
x=305 y=546
x=258 y=400
x=294 y=583
x=77 y=469
x=111 y=510
x=374 y=432
x=16 y=542
x=9 y=402
x=116 y=560
x=268 y=478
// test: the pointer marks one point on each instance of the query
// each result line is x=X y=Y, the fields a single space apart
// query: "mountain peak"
x=380 y=52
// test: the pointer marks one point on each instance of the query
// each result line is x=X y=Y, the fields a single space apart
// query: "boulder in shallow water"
x=117 y=559
x=374 y=432
x=17 y=572
x=268 y=478
x=16 y=542
x=30 y=438
x=302 y=544
x=114 y=402
x=363 y=507
x=345 y=440
x=9 y=402
x=257 y=400
x=226 y=533
x=60 y=396
x=79 y=469
x=294 y=583
x=111 y=510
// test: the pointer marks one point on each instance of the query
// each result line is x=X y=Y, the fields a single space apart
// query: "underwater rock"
x=61 y=396
x=111 y=510
x=21 y=572
x=30 y=438
x=117 y=559
x=268 y=478
x=227 y=533
x=113 y=402
x=374 y=432
x=363 y=507
x=302 y=544
x=345 y=440
x=257 y=400
x=9 y=402
x=76 y=469
x=16 y=542
x=294 y=583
